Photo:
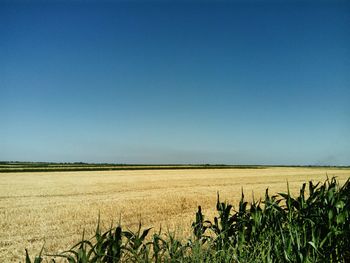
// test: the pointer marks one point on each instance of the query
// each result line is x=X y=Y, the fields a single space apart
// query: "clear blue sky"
x=175 y=82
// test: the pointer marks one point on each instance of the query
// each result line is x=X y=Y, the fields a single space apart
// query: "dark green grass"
x=6 y=167
x=312 y=227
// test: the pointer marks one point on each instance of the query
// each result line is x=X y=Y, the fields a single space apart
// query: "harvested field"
x=55 y=207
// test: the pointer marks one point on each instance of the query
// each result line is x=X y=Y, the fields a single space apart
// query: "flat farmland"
x=54 y=208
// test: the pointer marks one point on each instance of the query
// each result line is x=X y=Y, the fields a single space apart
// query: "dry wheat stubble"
x=55 y=207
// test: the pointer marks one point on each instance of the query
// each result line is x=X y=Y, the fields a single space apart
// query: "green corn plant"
x=135 y=243
x=109 y=247
x=200 y=226
x=159 y=247
x=174 y=249
x=223 y=226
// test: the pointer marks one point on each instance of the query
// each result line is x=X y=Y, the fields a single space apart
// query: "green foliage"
x=313 y=227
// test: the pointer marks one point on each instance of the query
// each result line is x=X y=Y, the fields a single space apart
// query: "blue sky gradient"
x=176 y=82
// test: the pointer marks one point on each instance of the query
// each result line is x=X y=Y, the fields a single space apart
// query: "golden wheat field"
x=54 y=208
